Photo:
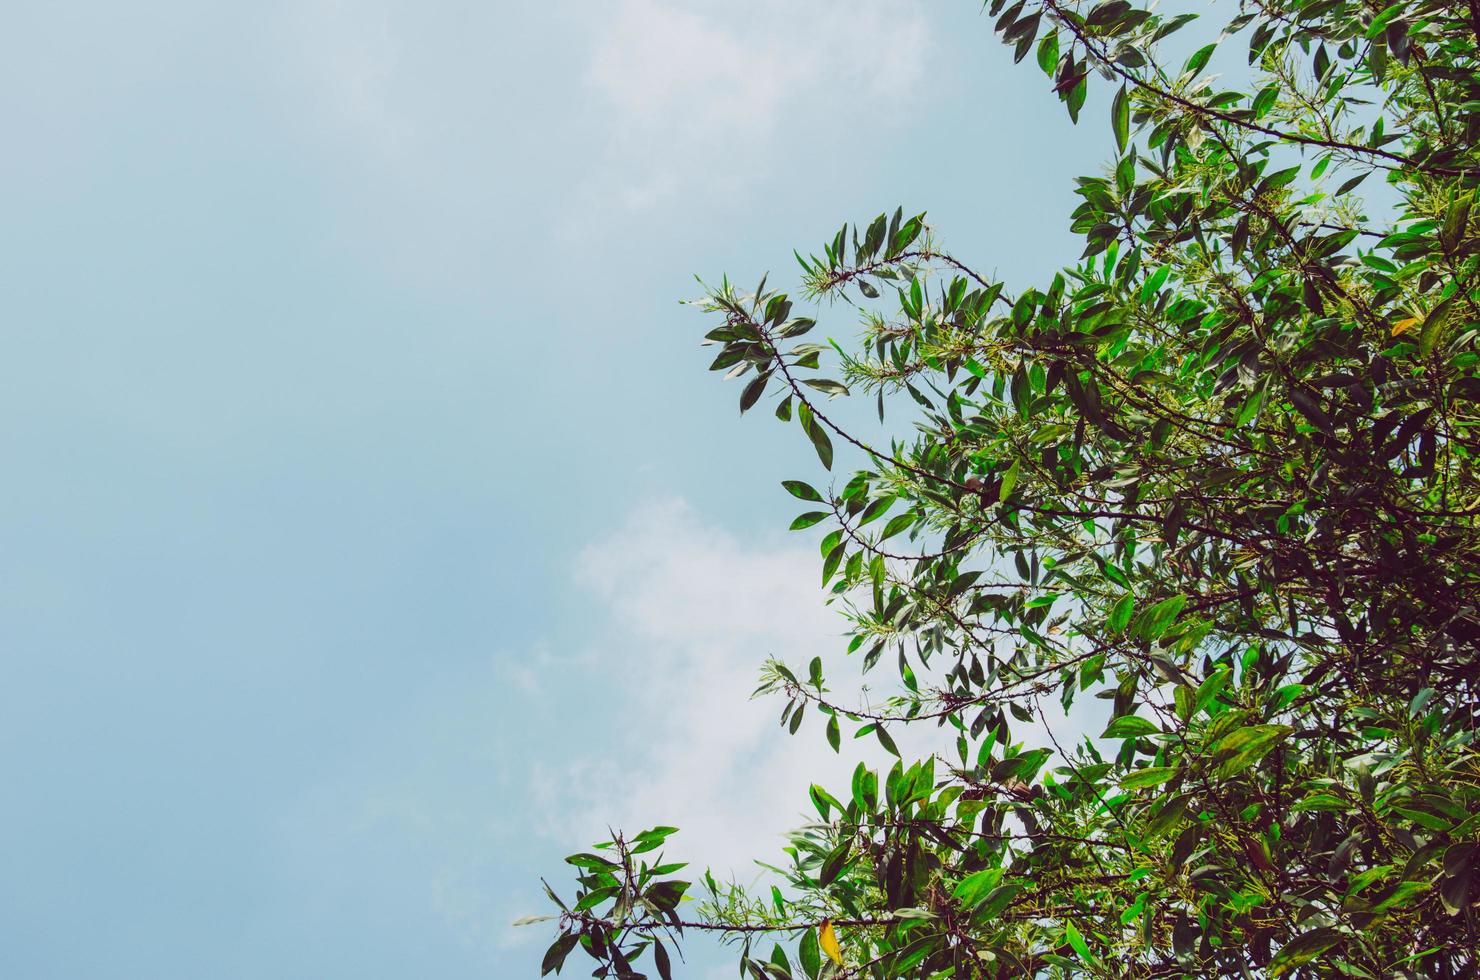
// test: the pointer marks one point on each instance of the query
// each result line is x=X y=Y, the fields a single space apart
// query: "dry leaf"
x=828 y=940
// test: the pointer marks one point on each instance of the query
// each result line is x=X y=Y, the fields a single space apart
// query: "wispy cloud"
x=693 y=610
x=690 y=612
x=701 y=92
x=348 y=55
x=643 y=717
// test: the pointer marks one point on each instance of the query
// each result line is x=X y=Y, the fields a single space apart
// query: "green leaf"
x=657 y=833
x=1250 y=409
x=1023 y=767
x=906 y=235
x=886 y=741
x=817 y=434
x=876 y=509
x=831 y=562
x=809 y=954
x=1048 y=52
x=1199 y=61
x=1302 y=949
x=753 y=392
x=1120 y=118
x=1420 y=700
x=1323 y=802
x=1350 y=185
x=661 y=960
x=558 y=951
x=906 y=959
x=1169 y=813
x=1434 y=326
x=1150 y=776
x=833 y=864
x=1153 y=622
x=666 y=894
x=808 y=519
x=826 y=385
x=1120 y=615
x=1130 y=726
x=1076 y=98
x=1401 y=895
x=1154 y=283
x=1454 y=894
x=974 y=888
x=778 y=307
x=800 y=490
x=1010 y=480
x=1278 y=179
x=1458 y=857
x=1212 y=687
x=998 y=901
x=822 y=800
x=1081 y=948
x=834 y=735
x=1243 y=747
x=1106 y=13
x=1381 y=21
x=897 y=524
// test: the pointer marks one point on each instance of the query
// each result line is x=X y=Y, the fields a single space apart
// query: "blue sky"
x=372 y=534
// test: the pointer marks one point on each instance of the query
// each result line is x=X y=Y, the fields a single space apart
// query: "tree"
x=1219 y=473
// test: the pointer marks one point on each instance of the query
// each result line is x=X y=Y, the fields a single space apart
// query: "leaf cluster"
x=1217 y=474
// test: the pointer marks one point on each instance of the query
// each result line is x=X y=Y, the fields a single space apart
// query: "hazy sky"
x=371 y=533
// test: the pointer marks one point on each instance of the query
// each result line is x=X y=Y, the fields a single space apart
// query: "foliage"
x=1218 y=473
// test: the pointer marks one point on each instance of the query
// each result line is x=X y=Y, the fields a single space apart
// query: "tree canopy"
x=1217 y=473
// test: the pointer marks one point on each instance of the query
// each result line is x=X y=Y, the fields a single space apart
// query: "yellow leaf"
x=828 y=940
x=1403 y=326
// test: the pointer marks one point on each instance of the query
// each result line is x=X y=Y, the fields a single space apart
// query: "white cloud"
x=529 y=672
x=690 y=611
x=645 y=718
x=700 y=92
x=693 y=611
x=660 y=58
x=349 y=55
